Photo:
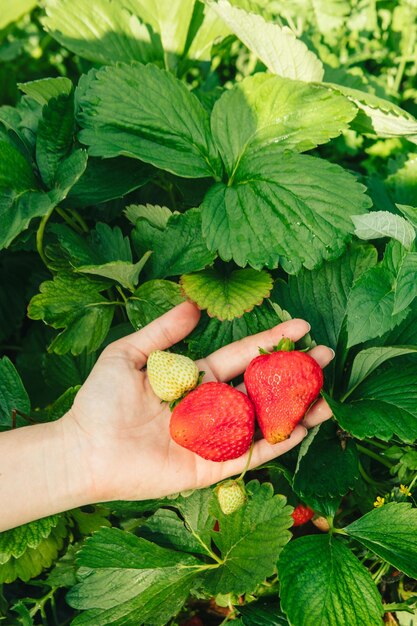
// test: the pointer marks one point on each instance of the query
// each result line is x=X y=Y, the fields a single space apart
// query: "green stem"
x=374 y=455
x=120 y=290
x=245 y=469
x=378 y=444
x=40 y=233
x=401 y=68
x=366 y=477
x=68 y=220
x=80 y=220
x=383 y=569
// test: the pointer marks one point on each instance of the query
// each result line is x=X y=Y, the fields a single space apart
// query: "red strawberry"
x=282 y=385
x=302 y=514
x=215 y=421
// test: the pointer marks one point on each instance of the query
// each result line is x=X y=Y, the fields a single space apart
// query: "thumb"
x=160 y=334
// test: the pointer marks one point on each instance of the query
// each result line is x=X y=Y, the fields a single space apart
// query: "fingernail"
x=333 y=352
x=305 y=432
x=309 y=327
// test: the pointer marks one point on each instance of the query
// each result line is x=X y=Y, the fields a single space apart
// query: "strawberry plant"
x=259 y=159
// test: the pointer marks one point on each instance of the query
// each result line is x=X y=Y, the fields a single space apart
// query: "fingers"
x=319 y=412
x=160 y=334
x=263 y=452
x=322 y=354
x=232 y=360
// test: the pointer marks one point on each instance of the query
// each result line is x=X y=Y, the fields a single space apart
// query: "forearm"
x=42 y=471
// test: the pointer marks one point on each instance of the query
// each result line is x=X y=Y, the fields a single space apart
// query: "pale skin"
x=114 y=443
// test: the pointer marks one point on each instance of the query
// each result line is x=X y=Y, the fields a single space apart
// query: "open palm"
x=124 y=427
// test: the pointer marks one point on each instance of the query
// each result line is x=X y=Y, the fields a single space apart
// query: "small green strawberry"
x=171 y=375
x=231 y=496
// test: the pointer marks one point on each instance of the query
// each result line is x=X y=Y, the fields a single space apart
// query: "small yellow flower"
x=405 y=490
x=379 y=501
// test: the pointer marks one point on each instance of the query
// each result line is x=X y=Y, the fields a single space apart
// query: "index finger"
x=232 y=360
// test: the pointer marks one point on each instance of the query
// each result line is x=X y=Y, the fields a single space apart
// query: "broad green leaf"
x=379 y=224
x=196 y=511
x=177 y=248
x=250 y=540
x=75 y=305
x=156 y=215
x=170 y=19
x=55 y=136
x=63 y=572
x=152 y=299
x=145 y=113
x=384 y=405
x=372 y=301
x=282 y=207
x=105 y=180
x=320 y=572
x=67 y=174
x=326 y=469
x=102 y=245
x=410 y=212
x=224 y=295
x=278 y=48
x=331 y=14
x=206 y=28
x=103 y=31
x=265 y=109
x=45 y=89
x=402 y=183
x=15 y=171
x=378 y=116
x=13 y=395
x=166 y=529
x=212 y=334
x=18 y=209
x=128 y=579
x=366 y=361
x=262 y=613
x=27 y=550
x=61 y=406
x=406 y=284
x=12 y=11
x=391 y=532
x=321 y=296
x=123 y=272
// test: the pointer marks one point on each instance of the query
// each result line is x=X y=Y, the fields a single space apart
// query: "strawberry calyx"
x=284 y=345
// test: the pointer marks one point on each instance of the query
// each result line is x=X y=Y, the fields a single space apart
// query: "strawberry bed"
x=259 y=159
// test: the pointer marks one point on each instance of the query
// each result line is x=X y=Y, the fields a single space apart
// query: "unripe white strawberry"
x=171 y=375
x=231 y=496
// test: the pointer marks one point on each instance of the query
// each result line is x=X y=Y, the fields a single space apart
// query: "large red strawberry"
x=215 y=421
x=282 y=385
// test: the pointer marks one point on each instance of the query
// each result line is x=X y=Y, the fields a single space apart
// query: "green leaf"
x=250 y=540
x=103 y=32
x=15 y=171
x=384 y=405
x=366 y=361
x=45 y=89
x=276 y=47
x=168 y=127
x=372 y=299
x=326 y=469
x=227 y=296
x=265 y=109
x=156 y=215
x=13 y=395
x=12 y=11
x=196 y=512
x=178 y=247
x=212 y=334
x=206 y=27
x=378 y=116
x=262 y=613
x=27 y=550
x=410 y=212
x=55 y=135
x=379 y=224
x=402 y=183
x=321 y=572
x=151 y=300
x=74 y=304
x=282 y=207
x=127 y=274
x=321 y=296
x=166 y=529
x=105 y=180
x=406 y=285
x=170 y=20
x=391 y=532
x=128 y=579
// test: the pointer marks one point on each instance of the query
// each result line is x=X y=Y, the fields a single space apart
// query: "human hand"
x=122 y=428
